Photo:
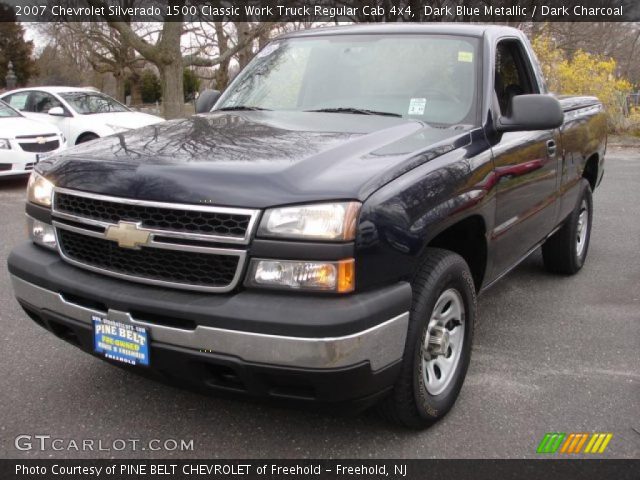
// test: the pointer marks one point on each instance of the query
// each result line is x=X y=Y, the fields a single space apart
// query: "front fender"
x=400 y=220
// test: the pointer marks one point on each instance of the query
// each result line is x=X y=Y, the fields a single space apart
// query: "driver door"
x=526 y=165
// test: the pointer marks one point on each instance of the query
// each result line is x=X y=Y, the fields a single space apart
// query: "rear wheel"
x=566 y=250
x=438 y=346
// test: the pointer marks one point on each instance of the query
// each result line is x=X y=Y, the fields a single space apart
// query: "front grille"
x=40 y=147
x=201 y=222
x=155 y=264
x=177 y=246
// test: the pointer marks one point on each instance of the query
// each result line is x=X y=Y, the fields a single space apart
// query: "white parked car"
x=82 y=114
x=23 y=142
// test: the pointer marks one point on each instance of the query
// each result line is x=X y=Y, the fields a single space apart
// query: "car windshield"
x=431 y=78
x=6 y=111
x=88 y=103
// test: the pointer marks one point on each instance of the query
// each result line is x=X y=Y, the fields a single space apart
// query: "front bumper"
x=18 y=162
x=307 y=343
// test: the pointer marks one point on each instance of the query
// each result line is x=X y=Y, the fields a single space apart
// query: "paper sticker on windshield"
x=417 y=106
x=465 y=57
x=268 y=50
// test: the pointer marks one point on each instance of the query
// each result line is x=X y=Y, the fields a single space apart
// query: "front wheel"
x=438 y=346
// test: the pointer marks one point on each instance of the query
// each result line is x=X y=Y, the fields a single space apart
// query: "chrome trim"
x=253 y=214
x=241 y=254
x=153 y=243
x=381 y=345
x=34 y=137
x=58 y=218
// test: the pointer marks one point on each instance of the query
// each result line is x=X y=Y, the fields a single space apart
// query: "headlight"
x=39 y=190
x=4 y=144
x=118 y=129
x=336 y=277
x=323 y=221
x=41 y=233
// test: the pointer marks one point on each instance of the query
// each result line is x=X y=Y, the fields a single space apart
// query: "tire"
x=443 y=284
x=566 y=250
x=86 y=137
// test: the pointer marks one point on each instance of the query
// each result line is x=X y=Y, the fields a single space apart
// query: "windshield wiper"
x=361 y=111
x=239 y=107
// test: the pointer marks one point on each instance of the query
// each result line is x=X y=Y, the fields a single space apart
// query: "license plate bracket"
x=121 y=342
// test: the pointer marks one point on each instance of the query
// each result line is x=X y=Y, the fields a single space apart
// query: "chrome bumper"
x=381 y=345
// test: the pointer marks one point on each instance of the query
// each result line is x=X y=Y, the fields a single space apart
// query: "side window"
x=513 y=75
x=17 y=100
x=41 y=102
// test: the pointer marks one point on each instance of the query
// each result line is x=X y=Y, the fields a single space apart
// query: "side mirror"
x=56 y=112
x=532 y=112
x=206 y=100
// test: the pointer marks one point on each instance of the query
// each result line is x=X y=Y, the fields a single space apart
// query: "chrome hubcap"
x=443 y=339
x=581 y=231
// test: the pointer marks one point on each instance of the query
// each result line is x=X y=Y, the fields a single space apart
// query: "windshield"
x=424 y=77
x=7 y=111
x=88 y=103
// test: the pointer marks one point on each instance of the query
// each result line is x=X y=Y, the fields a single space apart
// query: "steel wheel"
x=443 y=342
x=582 y=229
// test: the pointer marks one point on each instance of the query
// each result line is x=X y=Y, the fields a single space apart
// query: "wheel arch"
x=590 y=172
x=84 y=134
x=466 y=237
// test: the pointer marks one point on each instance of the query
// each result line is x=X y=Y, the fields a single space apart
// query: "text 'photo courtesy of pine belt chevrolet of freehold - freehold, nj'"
x=292 y=239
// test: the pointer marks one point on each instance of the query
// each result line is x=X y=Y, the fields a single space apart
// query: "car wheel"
x=438 y=346
x=566 y=250
x=87 y=137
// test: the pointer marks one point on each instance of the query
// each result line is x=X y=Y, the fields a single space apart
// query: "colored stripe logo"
x=556 y=442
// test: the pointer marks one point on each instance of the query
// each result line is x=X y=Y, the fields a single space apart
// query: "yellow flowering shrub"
x=584 y=74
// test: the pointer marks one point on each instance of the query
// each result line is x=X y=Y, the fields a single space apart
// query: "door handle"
x=551 y=148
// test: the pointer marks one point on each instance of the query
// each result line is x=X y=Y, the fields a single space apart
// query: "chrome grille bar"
x=244 y=240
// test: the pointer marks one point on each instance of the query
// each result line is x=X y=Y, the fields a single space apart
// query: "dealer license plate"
x=121 y=342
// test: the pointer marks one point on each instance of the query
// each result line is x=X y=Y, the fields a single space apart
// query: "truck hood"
x=253 y=159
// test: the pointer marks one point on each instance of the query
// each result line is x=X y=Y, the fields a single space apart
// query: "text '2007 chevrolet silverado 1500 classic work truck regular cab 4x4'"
x=322 y=230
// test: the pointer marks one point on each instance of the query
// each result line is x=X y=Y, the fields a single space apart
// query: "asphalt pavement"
x=551 y=354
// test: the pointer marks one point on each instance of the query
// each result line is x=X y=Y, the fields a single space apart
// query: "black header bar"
x=324 y=10
x=255 y=469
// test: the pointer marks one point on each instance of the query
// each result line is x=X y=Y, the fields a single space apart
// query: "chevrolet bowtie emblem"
x=128 y=235
x=41 y=140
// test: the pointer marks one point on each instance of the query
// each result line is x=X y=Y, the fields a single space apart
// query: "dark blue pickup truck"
x=320 y=230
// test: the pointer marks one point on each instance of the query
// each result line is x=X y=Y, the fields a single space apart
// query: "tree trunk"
x=171 y=66
x=246 y=54
x=172 y=90
x=264 y=37
x=134 y=80
x=221 y=78
x=120 y=81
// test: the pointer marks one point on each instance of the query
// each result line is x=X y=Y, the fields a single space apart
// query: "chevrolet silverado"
x=320 y=230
